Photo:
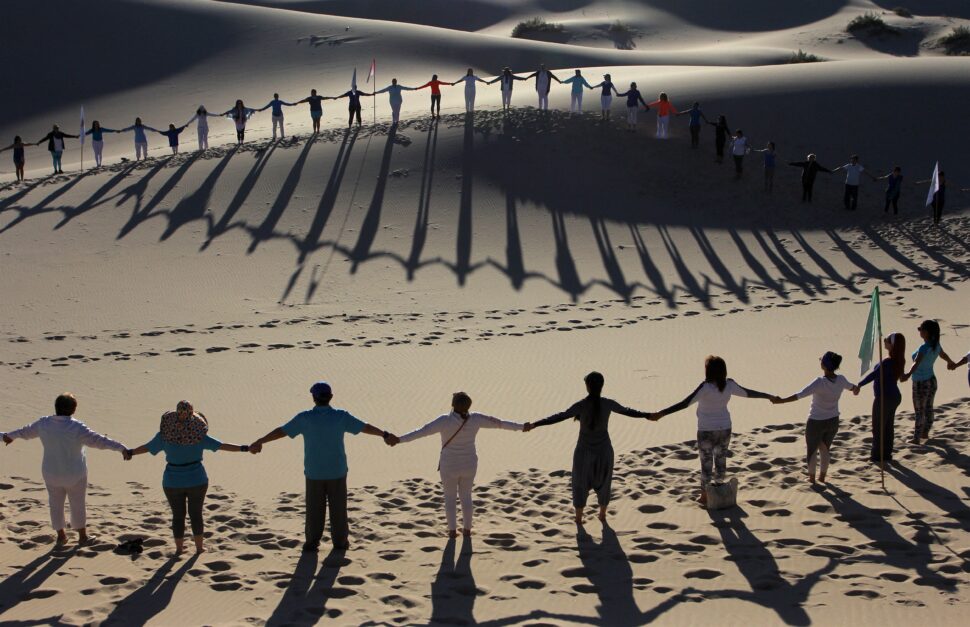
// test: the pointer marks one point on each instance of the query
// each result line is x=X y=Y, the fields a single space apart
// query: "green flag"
x=873 y=332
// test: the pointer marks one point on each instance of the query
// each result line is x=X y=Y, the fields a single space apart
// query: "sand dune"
x=506 y=255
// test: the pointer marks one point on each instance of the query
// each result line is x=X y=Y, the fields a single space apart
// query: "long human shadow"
x=245 y=188
x=728 y=281
x=795 y=267
x=650 y=268
x=960 y=269
x=617 y=281
x=307 y=245
x=42 y=206
x=18 y=195
x=267 y=227
x=463 y=239
x=29 y=577
x=903 y=260
x=304 y=600
x=152 y=597
x=895 y=550
x=423 y=216
x=372 y=219
x=690 y=284
x=608 y=569
x=137 y=191
x=945 y=500
x=565 y=264
x=760 y=568
x=756 y=266
x=789 y=275
x=95 y=199
x=453 y=590
x=195 y=205
x=329 y=198
x=867 y=267
x=148 y=212
x=823 y=263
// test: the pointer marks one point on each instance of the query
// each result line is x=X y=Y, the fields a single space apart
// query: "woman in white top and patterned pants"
x=64 y=467
x=459 y=459
x=713 y=418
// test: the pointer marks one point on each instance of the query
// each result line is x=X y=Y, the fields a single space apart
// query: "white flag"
x=934 y=184
x=81 y=134
x=373 y=69
x=353 y=81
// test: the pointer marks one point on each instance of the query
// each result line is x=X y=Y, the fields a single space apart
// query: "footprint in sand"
x=703 y=573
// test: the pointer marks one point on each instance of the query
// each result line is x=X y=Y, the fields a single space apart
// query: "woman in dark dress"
x=886 y=397
x=593 y=457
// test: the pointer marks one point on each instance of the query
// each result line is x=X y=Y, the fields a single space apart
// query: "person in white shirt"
x=470 y=79
x=458 y=462
x=713 y=418
x=739 y=148
x=64 y=467
x=853 y=175
x=823 y=416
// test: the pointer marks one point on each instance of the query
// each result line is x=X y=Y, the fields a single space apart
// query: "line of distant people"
x=183 y=436
x=724 y=138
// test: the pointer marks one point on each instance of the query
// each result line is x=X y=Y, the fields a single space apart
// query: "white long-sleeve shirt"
x=460 y=452
x=64 y=439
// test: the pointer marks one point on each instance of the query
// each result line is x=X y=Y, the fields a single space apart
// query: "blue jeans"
x=56 y=158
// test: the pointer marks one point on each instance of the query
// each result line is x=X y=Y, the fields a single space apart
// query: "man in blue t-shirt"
x=324 y=463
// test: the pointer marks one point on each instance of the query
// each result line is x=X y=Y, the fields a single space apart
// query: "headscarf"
x=184 y=425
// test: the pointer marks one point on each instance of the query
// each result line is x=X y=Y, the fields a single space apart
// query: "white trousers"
x=141 y=150
x=98 y=147
x=824 y=455
x=469 y=99
x=203 y=139
x=543 y=101
x=75 y=490
x=457 y=484
x=576 y=103
x=395 y=112
x=631 y=115
x=606 y=102
x=278 y=119
x=506 y=97
x=662 y=124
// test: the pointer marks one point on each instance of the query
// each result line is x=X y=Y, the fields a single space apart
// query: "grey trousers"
x=319 y=495
x=182 y=499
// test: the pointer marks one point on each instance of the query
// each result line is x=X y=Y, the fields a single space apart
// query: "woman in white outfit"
x=64 y=467
x=470 y=79
x=201 y=119
x=459 y=460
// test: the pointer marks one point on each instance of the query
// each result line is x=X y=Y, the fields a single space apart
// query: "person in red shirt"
x=664 y=110
x=435 y=86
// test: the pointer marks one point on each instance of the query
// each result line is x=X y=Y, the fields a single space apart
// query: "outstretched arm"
x=275 y=434
x=28 y=432
x=572 y=412
x=491 y=422
x=96 y=440
x=626 y=411
x=684 y=404
x=956 y=364
x=757 y=394
x=432 y=427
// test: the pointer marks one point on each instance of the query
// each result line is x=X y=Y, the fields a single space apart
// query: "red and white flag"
x=373 y=69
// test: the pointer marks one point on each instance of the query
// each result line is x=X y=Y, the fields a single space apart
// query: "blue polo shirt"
x=323 y=429
x=924 y=371
x=184 y=469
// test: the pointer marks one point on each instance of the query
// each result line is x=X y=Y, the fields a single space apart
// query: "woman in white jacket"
x=459 y=460
x=64 y=467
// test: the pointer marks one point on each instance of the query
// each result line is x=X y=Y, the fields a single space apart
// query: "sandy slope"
x=507 y=256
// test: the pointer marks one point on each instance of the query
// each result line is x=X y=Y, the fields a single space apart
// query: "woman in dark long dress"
x=593 y=457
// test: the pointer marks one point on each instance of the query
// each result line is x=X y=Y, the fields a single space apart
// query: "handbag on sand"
x=722 y=494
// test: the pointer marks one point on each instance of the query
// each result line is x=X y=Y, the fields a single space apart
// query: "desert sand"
x=503 y=255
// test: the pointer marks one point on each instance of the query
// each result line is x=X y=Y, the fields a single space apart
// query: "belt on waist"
x=198 y=461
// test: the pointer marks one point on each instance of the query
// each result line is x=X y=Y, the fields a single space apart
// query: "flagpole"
x=882 y=411
x=373 y=99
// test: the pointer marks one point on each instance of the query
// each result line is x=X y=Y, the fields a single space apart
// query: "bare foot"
x=466 y=532
x=452 y=533
x=602 y=515
x=821 y=478
x=702 y=498
x=811 y=479
x=61 y=538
